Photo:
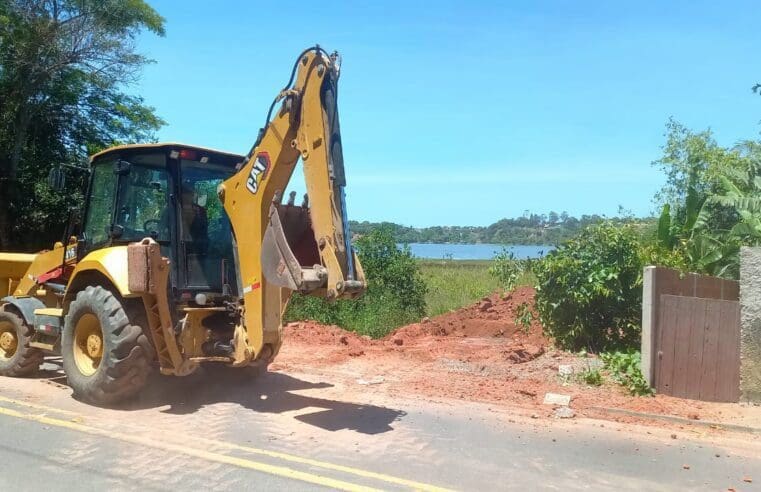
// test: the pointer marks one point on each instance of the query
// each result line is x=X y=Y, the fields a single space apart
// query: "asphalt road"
x=298 y=432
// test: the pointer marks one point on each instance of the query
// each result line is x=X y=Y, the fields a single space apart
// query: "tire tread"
x=126 y=362
x=28 y=358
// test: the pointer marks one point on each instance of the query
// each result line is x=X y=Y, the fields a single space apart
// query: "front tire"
x=106 y=358
x=17 y=358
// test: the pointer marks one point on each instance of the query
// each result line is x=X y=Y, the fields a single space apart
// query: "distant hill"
x=552 y=228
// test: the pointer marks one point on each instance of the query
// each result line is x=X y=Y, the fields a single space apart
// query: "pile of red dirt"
x=313 y=334
x=482 y=352
x=490 y=325
x=495 y=317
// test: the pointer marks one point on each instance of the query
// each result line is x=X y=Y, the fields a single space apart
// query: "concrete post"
x=750 y=324
x=649 y=313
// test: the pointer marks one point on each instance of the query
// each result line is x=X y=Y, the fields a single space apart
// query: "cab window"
x=142 y=208
x=98 y=221
x=205 y=228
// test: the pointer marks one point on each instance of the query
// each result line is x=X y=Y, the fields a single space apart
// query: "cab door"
x=96 y=229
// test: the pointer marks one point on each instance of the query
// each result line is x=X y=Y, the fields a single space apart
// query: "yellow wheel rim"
x=88 y=344
x=8 y=340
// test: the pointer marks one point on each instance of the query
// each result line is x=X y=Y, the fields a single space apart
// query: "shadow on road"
x=271 y=392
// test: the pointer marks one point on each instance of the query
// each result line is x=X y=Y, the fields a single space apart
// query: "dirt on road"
x=478 y=353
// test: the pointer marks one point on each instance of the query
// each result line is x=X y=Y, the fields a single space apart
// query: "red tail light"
x=190 y=155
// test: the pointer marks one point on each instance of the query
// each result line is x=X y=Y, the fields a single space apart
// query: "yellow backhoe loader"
x=187 y=256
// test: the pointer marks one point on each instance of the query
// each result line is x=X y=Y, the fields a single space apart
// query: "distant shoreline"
x=477 y=251
x=480 y=243
x=529 y=230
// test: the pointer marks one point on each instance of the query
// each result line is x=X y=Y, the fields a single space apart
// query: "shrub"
x=395 y=295
x=524 y=316
x=591 y=376
x=392 y=271
x=625 y=369
x=589 y=290
x=508 y=270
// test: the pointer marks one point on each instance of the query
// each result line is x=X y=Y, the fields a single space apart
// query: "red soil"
x=478 y=353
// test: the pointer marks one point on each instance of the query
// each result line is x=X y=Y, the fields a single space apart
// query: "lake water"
x=475 y=251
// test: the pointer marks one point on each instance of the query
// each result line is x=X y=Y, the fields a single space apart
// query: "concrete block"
x=649 y=321
x=557 y=399
x=564 y=413
x=750 y=324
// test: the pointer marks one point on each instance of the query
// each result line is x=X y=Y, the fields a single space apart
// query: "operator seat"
x=195 y=221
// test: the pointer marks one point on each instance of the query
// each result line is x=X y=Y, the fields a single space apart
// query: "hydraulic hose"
x=259 y=137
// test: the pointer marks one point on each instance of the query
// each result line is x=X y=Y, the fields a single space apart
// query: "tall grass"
x=453 y=284
x=376 y=314
x=395 y=295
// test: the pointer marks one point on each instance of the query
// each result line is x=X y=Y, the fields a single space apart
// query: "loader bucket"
x=290 y=257
x=13 y=267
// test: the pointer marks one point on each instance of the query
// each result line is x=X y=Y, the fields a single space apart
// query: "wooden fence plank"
x=684 y=307
x=710 y=352
x=667 y=344
x=731 y=290
x=709 y=287
x=695 y=364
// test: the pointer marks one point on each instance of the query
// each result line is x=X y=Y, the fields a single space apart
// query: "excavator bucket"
x=290 y=257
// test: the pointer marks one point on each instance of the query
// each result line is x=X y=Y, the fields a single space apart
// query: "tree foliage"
x=64 y=69
x=589 y=290
x=710 y=200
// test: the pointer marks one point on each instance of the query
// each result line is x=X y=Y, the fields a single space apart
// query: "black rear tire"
x=124 y=364
x=18 y=358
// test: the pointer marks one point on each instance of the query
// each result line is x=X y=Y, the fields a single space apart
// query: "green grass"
x=453 y=284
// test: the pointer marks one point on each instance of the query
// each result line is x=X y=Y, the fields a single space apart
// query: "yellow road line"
x=322 y=464
x=198 y=453
x=275 y=454
x=38 y=406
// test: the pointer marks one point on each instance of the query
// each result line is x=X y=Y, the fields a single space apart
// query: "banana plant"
x=672 y=228
x=717 y=251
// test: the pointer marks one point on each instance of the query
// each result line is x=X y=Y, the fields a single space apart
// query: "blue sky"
x=462 y=113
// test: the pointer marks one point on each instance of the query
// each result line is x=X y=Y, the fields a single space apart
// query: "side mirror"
x=57 y=178
x=122 y=168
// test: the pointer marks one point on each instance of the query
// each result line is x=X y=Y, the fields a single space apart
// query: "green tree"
x=708 y=211
x=64 y=68
x=740 y=197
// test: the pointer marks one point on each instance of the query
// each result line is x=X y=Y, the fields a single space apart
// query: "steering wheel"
x=154 y=231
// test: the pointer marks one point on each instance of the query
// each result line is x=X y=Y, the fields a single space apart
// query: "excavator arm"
x=281 y=248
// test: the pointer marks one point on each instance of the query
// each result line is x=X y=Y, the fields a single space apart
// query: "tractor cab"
x=167 y=192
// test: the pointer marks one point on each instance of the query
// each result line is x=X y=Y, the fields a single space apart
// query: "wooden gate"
x=698 y=348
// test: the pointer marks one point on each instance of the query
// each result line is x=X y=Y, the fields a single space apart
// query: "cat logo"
x=258 y=172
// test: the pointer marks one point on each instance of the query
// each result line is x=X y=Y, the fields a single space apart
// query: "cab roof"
x=163 y=146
